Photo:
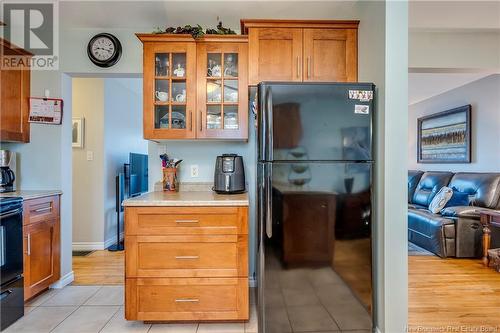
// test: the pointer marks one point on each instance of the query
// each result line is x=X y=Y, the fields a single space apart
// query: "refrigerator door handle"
x=268 y=190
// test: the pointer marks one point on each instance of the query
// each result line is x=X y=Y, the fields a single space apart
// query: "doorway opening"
x=107 y=127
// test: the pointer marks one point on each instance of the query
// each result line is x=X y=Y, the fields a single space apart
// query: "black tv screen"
x=138 y=174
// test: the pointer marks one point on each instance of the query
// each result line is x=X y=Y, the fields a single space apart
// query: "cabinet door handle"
x=187 y=257
x=191 y=121
x=308 y=67
x=28 y=245
x=39 y=210
x=201 y=121
x=187 y=300
x=187 y=221
x=298 y=67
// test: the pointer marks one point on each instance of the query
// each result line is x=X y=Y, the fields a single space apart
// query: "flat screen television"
x=138 y=181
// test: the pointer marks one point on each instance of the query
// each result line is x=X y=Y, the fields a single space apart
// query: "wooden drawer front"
x=40 y=209
x=187 y=299
x=186 y=256
x=185 y=220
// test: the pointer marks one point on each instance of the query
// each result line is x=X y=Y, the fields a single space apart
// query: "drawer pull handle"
x=187 y=300
x=187 y=221
x=39 y=210
x=186 y=257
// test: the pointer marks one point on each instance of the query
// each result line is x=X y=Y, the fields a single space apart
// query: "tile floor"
x=99 y=309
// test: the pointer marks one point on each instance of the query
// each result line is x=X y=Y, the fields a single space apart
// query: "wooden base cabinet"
x=186 y=263
x=41 y=230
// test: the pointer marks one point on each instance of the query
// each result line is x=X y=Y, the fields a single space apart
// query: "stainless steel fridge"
x=314 y=188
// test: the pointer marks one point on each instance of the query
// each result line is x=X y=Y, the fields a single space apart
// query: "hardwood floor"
x=444 y=294
x=447 y=294
x=99 y=268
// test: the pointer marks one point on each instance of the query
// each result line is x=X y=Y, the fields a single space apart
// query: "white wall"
x=88 y=176
x=122 y=135
x=484 y=97
x=457 y=49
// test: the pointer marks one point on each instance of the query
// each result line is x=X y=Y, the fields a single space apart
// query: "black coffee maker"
x=229 y=177
x=7 y=176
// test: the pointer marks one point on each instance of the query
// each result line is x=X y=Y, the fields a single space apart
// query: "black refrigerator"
x=314 y=188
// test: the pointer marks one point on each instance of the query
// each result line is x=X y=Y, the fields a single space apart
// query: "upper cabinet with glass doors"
x=222 y=87
x=195 y=89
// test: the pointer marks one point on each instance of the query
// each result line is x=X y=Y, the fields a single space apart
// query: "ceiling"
x=454 y=14
x=146 y=15
x=422 y=86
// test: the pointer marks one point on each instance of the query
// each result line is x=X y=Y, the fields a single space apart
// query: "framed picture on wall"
x=78 y=131
x=445 y=137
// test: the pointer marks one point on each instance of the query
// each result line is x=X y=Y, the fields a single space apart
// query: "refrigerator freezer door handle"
x=267 y=126
x=269 y=199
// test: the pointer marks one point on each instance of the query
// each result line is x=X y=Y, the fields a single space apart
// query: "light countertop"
x=187 y=198
x=30 y=194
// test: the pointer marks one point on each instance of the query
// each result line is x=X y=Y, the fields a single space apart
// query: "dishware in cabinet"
x=222 y=87
x=169 y=86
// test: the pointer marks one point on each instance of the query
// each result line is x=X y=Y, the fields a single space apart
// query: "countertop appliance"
x=314 y=185
x=11 y=260
x=229 y=176
x=7 y=176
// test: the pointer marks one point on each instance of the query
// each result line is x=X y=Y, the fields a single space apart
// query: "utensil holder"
x=170 y=182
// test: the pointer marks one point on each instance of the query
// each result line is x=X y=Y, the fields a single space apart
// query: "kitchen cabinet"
x=301 y=50
x=186 y=263
x=169 y=86
x=15 y=92
x=195 y=89
x=275 y=54
x=222 y=63
x=41 y=232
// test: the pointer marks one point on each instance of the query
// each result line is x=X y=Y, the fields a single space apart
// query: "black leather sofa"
x=454 y=231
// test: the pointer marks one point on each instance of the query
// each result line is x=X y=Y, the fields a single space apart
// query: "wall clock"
x=104 y=50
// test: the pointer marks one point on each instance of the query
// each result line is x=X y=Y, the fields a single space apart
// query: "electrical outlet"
x=195 y=171
x=90 y=155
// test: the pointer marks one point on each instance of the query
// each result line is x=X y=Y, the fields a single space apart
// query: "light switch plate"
x=90 y=155
x=195 y=171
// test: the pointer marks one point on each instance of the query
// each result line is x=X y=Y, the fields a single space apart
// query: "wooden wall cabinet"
x=41 y=232
x=302 y=50
x=169 y=66
x=15 y=92
x=195 y=89
x=222 y=96
x=186 y=263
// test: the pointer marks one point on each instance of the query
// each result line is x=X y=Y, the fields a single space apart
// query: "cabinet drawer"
x=40 y=209
x=186 y=256
x=187 y=299
x=185 y=220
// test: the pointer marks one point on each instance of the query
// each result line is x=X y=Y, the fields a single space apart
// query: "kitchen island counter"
x=30 y=194
x=187 y=198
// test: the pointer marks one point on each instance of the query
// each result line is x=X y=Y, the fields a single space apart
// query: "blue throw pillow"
x=458 y=199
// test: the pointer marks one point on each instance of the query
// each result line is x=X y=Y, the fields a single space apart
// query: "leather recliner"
x=455 y=231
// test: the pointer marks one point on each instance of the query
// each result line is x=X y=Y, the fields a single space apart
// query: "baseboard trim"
x=63 y=281
x=87 y=246
x=95 y=246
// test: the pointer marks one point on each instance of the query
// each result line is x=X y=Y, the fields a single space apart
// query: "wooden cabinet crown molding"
x=310 y=24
